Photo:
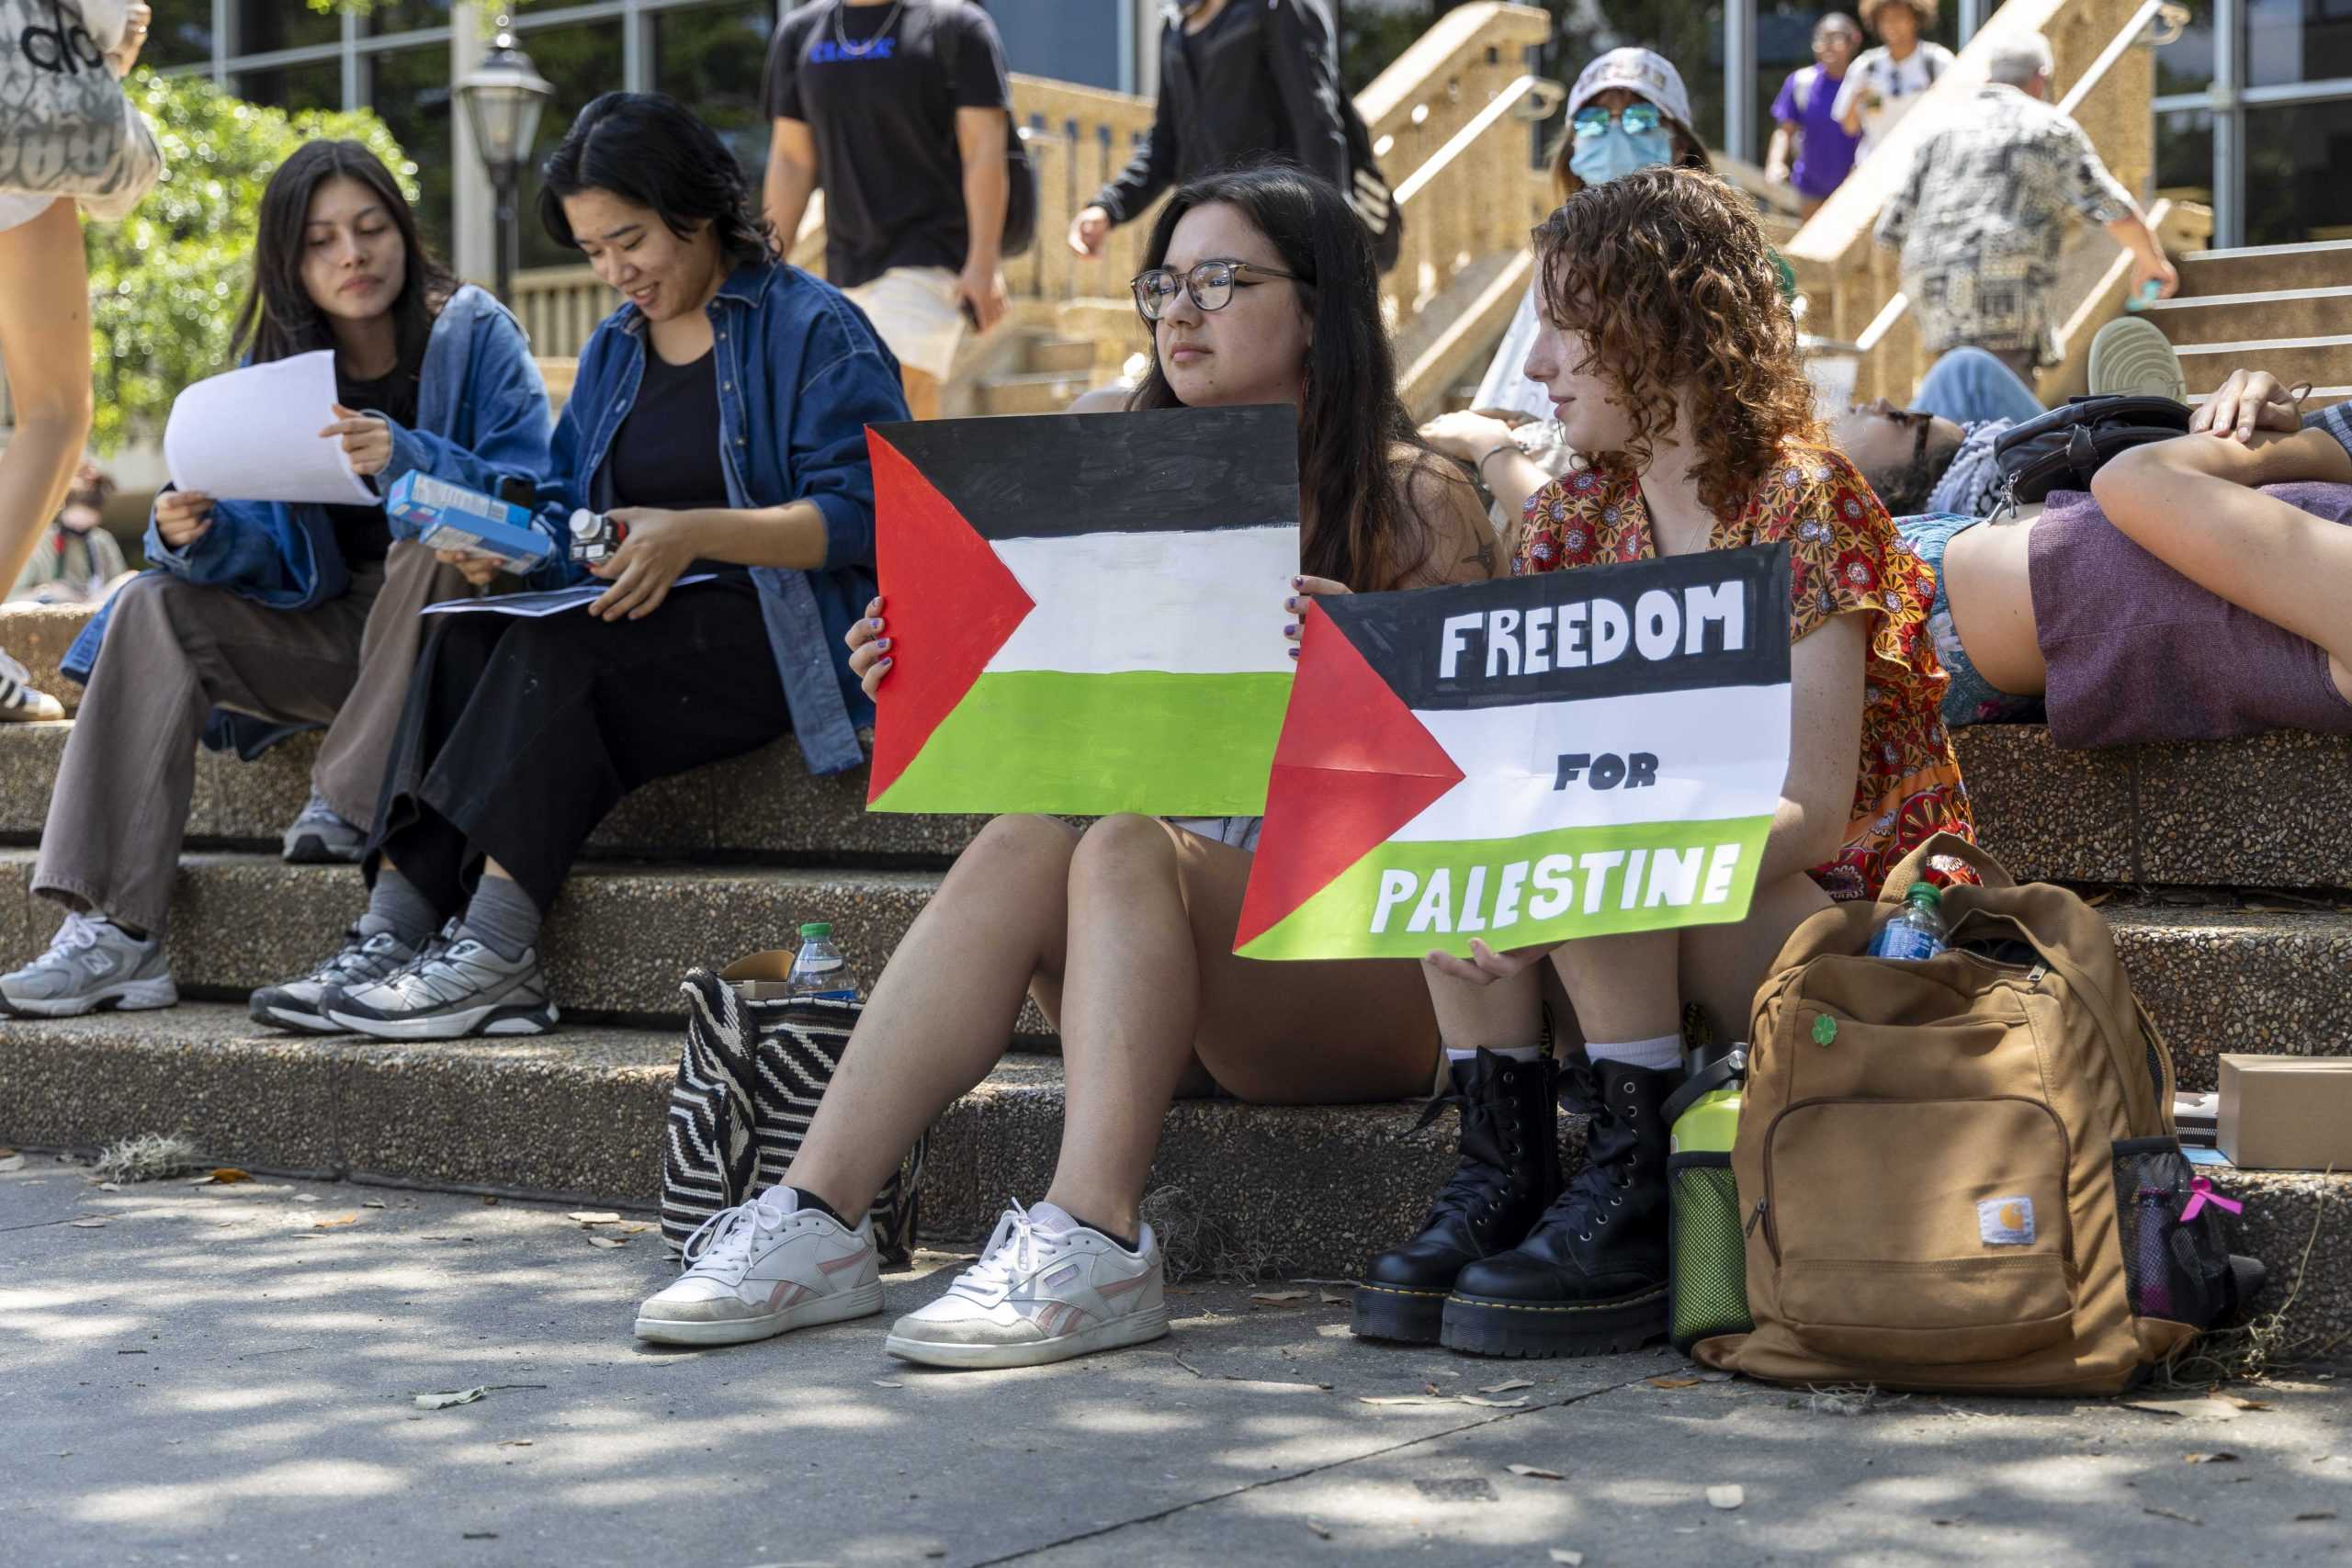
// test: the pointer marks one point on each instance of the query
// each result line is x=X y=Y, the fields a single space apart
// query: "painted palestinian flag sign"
x=1085 y=611
x=1570 y=754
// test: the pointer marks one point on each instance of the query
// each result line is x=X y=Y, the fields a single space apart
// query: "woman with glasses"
x=1259 y=288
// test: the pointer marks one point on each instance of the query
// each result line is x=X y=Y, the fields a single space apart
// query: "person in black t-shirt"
x=896 y=110
x=1239 y=81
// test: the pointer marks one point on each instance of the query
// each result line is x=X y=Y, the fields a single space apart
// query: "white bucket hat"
x=1641 y=71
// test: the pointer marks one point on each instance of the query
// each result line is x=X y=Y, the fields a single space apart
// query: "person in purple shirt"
x=1807 y=124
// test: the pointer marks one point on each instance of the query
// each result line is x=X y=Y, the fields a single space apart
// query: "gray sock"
x=399 y=907
x=502 y=917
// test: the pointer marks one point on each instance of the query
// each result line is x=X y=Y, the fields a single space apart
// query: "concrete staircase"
x=2284 y=309
x=2229 y=910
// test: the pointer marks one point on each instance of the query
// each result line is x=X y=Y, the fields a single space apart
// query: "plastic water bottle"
x=1917 y=932
x=819 y=972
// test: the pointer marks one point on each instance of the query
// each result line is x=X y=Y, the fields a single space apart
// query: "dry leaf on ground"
x=1536 y=1471
x=1324 y=1531
x=1398 y=1399
x=12 y=1162
x=885 y=1382
x=333 y=1222
x=607 y=1241
x=229 y=1173
x=2314 y=1513
x=594 y=1216
x=373 y=1204
x=444 y=1399
x=2226 y=1457
x=516 y=1443
x=1564 y=1555
x=109 y=1186
x=2151 y=1408
x=635 y=1229
x=1672 y=1382
x=2240 y=1402
x=1726 y=1497
x=306 y=1197
x=90 y=1225
x=1279 y=1298
x=1490 y=1404
x=1511 y=1387
x=1333 y=1298
x=2168 y=1514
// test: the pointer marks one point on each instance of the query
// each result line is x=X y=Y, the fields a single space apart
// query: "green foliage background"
x=166 y=282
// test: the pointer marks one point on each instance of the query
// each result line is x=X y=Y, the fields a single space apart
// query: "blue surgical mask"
x=1597 y=160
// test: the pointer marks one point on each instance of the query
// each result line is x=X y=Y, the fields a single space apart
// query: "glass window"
x=2294 y=173
x=388 y=17
x=2185 y=155
x=580 y=59
x=180 y=35
x=2185 y=64
x=262 y=26
x=409 y=88
x=318 y=85
x=2297 y=40
x=712 y=58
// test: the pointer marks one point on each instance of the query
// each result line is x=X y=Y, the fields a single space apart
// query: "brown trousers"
x=176 y=650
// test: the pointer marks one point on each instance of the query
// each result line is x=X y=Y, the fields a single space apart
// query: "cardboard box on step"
x=2286 y=1112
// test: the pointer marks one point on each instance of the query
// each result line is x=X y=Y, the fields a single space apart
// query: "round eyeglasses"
x=1211 y=284
x=1637 y=118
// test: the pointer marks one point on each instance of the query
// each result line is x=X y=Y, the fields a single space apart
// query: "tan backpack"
x=1961 y=1173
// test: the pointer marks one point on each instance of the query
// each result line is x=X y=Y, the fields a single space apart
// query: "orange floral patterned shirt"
x=1846 y=559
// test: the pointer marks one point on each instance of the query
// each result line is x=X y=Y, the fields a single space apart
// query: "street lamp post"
x=503 y=97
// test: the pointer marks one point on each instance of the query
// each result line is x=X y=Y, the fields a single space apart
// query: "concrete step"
x=1048 y=393
x=765 y=807
x=1060 y=357
x=2236 y=318
x=581 y=1113
x=37 y=636
x=2322 y=361
x=2254 y=269
x=2217 y=976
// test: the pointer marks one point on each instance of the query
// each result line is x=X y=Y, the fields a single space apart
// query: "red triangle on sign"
x=948 y=605
x=1352 y=766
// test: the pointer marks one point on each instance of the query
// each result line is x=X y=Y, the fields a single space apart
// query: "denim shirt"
x=801 y=374
x=481 y=414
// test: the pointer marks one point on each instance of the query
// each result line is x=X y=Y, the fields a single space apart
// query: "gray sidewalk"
x=226 y=1375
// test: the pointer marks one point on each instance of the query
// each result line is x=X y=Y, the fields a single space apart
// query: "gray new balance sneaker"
x=455 y=988
x=91 y=965
x=294 y=1005
x=319 y=837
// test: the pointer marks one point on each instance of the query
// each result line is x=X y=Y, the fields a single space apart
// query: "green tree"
x=166 y=282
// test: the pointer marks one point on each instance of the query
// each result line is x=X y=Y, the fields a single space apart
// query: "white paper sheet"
x=554 y=602
x=252 y=434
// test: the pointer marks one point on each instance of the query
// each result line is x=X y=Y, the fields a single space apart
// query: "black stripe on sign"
x=1053 y=476
x=1716 y=618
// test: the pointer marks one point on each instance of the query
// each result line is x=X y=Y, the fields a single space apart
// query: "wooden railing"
x=1850 y=283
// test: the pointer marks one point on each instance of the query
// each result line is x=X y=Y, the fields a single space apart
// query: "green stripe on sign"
x=1133 y=740
x=1404 y=900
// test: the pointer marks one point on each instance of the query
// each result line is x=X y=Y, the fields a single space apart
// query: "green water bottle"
x=1707 y=1269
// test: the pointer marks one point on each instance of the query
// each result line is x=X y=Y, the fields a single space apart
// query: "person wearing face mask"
x=1810 y=149
x=719 y=415
x=1628 y=111
x=1257 y=289
x=1700 y=439
x=259 y=619
x=1886 y=83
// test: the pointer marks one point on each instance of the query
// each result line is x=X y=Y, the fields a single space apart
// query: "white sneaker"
x=1046 y=1289
x=92 y=965
x=764 y=1266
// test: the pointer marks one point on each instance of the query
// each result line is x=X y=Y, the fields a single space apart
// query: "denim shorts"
x=1968 y=698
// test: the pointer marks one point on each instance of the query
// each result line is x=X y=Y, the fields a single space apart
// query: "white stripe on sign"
x=1704 y=755
x=1191 y=603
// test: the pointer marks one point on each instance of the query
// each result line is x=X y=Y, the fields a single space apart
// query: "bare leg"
x=2189 y=502
x=1152 y=983
x=1722 y=967
x=45 y=349
x=942 y=1010
x=922 y=393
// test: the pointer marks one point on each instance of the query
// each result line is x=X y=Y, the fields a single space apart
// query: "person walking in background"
x=45 y=348
x=1883 y=83
x=1239 y=81
x=1980 y=220
x=897 y=110
x=76 y=562
x=1810 y=149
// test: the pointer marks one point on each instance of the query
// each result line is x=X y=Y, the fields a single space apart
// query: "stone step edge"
x=1236 y=1170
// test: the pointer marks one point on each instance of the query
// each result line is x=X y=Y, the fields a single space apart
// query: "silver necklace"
x=860 y=50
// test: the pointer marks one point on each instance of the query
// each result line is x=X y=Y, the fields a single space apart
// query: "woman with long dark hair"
x=719 y=415
x=263 y=618
x=1260 y=287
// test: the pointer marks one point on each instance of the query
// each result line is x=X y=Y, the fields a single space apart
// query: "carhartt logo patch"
x=2005 y=1222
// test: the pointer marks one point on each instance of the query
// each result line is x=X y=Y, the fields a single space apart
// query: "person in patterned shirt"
x=1672 y=362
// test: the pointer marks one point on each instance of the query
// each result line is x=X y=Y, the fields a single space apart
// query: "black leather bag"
x=2064 y=448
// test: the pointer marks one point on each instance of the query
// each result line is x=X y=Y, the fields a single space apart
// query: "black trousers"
x=519 y=735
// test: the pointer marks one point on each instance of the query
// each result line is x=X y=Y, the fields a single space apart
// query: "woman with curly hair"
x=1671 y=358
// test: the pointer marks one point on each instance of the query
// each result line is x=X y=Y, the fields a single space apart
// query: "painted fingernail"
x=881 y=642
x=1291 y=605
x=885 y=664
x=874 y=624
x=877 y=604
x=1291 y=631
x=1294 y=653
x=1298 y=582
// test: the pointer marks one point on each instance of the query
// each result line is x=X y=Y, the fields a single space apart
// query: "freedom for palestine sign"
x=1570 y=754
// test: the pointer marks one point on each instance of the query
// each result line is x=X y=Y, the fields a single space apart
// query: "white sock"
x=1507 y=1052
x=1665 y=1051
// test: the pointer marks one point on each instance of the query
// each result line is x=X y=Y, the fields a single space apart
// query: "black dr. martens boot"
x=1510 y=1171
x=1590 y=1278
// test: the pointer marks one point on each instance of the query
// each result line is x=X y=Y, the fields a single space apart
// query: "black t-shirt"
x=666 y=452
x=882 y=112
x=360 y=532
